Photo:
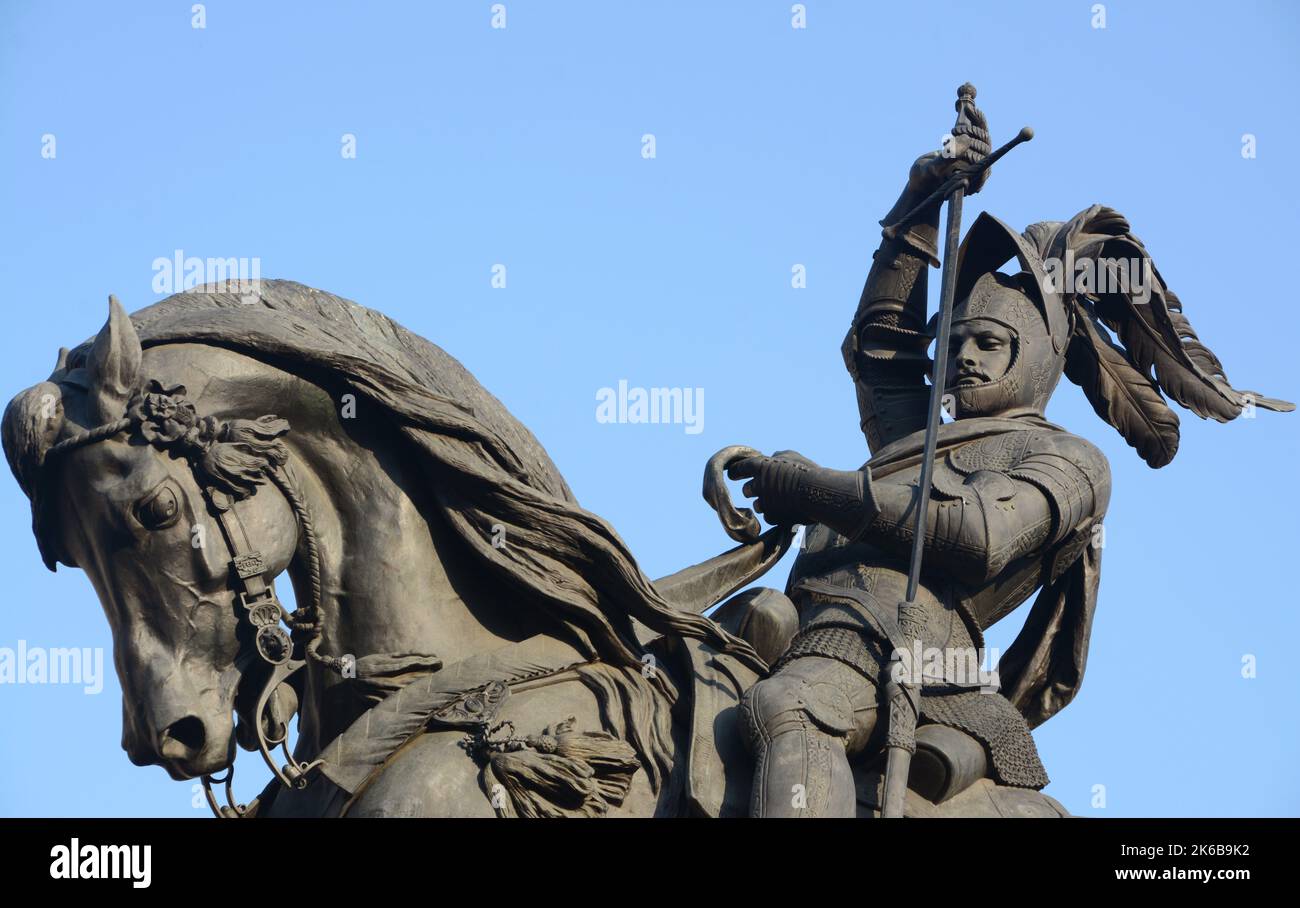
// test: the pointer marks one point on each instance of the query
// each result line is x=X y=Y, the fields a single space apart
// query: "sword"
x=905 y=697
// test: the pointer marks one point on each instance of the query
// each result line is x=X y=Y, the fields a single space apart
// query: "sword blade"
x=899 y=760
x=938 y=380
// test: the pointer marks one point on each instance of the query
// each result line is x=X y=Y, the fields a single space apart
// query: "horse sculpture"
x=469 y=641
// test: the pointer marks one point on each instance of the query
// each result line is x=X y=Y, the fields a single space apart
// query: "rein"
x=230 y=460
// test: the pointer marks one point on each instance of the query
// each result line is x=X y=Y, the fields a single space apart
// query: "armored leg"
x=803 y=723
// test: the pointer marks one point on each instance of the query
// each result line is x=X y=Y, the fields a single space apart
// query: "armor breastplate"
x=830 y=557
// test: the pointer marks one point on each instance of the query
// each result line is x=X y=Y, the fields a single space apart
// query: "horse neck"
x=393 y=576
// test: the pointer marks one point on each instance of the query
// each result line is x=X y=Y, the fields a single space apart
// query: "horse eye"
x=159 y=510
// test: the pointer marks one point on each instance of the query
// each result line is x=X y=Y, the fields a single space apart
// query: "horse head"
x=387 y=516
x=124 y=478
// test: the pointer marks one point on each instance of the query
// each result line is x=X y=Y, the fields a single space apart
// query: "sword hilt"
x=960 y=179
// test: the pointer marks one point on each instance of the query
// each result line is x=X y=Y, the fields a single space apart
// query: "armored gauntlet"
x=791 y=489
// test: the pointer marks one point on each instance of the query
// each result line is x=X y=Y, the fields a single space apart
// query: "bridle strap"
x=254 y=587
x=253 y=583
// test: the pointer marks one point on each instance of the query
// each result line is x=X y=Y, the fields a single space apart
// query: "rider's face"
x=979 y=352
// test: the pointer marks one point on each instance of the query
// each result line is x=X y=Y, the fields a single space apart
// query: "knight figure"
x=1015 y=507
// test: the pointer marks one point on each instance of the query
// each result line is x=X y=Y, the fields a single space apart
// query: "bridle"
x=254 y=588
x=169 y=422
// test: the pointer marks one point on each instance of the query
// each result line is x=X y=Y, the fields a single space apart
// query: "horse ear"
x=113 y=365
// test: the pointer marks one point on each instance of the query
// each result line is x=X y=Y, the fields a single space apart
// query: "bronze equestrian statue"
x=470 y=641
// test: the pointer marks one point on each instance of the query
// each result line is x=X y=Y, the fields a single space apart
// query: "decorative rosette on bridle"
x=233 y=457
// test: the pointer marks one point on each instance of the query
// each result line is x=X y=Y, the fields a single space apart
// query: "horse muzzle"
x=187 y=748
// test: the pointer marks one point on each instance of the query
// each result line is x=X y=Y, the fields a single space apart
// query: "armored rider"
x=1015 y=506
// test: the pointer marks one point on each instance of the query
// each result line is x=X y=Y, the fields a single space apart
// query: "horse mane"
x=297 y=327
x=484 y=468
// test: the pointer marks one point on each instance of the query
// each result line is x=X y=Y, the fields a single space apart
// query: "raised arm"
x=885 y=349
x=885 y=346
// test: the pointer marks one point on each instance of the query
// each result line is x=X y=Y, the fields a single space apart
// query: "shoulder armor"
x=998 y=452
x=1072 y=473
x=992 y=485
x=995 y=454
x=1073 y=447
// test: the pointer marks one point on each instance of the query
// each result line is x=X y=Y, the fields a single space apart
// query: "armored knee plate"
x=786 y=702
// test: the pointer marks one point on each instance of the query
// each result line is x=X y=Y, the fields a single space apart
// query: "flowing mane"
x=293 y=326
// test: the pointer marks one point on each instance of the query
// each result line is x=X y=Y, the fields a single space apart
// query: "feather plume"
x=1121 y=395
x=1157 y=338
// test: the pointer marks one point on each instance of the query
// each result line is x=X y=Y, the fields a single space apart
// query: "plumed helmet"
x=1125 y=343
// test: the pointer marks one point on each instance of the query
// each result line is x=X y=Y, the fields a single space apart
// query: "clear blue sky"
x=775 y=147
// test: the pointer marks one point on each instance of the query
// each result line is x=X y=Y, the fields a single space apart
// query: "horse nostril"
x=183 y=739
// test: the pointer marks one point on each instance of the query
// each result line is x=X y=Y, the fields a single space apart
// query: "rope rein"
x=306 y=620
